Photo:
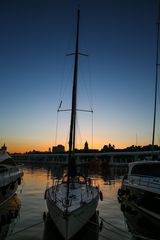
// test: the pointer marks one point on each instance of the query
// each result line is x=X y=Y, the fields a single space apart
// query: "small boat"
x=72 y=201
x=10 y=175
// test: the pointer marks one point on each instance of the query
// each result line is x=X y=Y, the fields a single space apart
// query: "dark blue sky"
x=117 y=79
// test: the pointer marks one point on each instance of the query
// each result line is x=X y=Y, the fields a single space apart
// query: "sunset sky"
x=116 y=80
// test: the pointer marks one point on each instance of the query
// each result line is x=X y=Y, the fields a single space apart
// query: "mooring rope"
x=143 y=237
x=94 y=231
x=26 y=228
x=123 y=233
x=119 y=229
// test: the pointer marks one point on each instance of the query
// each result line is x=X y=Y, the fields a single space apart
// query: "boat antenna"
x=156 y=81
x=71 y=160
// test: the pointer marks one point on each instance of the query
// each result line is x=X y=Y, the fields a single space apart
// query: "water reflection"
x=30 y=225
x=8 y=214
x=89 y=231
x=140 y=224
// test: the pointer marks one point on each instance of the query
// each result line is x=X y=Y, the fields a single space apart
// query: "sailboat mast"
x=74 y=94
x=156 y=81
x=71 y=160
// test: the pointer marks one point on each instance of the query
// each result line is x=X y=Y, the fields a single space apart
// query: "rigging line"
x=68 y=68
x=78 y=130
x=92 y=130
x=84 y=87
x=158 y=92
x=78 y=110
x=56 y=128
x=66 y=141
x=90 y=80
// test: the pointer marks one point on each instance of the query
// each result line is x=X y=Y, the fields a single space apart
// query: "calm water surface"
x=30 y=224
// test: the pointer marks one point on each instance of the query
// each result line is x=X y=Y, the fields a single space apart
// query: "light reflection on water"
x=30 y=223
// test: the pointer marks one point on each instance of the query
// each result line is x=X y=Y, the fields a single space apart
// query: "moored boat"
x=70 y=215
x=72 y=201
x=141 y=186
x=10 y=175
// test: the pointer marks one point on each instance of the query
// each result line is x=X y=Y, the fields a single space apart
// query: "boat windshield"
x=150 y=169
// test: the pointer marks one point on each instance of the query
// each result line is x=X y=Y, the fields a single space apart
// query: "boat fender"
x=19 y=181
x=45 y=194
x=101 y=195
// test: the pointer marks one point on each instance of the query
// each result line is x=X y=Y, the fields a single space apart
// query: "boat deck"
x=79 y=194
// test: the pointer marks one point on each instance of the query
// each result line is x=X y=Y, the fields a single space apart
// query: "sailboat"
x=73 y=201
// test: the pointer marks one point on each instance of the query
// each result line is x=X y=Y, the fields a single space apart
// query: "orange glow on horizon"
x=23 y=145
x=43 y=147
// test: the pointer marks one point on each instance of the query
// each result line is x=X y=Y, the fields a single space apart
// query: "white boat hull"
x=7 y=192
x=69 y=224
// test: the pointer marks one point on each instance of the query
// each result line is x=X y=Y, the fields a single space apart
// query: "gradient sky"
x=116 y=79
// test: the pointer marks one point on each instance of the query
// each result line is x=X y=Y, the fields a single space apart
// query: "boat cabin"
x=77 y=179
x=146 y=168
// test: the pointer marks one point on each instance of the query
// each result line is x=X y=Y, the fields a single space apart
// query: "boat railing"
x=10 y=174
x=146 y=181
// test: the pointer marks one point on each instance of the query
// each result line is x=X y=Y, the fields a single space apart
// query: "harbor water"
x=31 y=221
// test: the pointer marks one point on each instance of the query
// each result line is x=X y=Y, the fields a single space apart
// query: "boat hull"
x=141 y=197
x=8 y=214
x=69 y=224
x=141 y=221
x=6 y=192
